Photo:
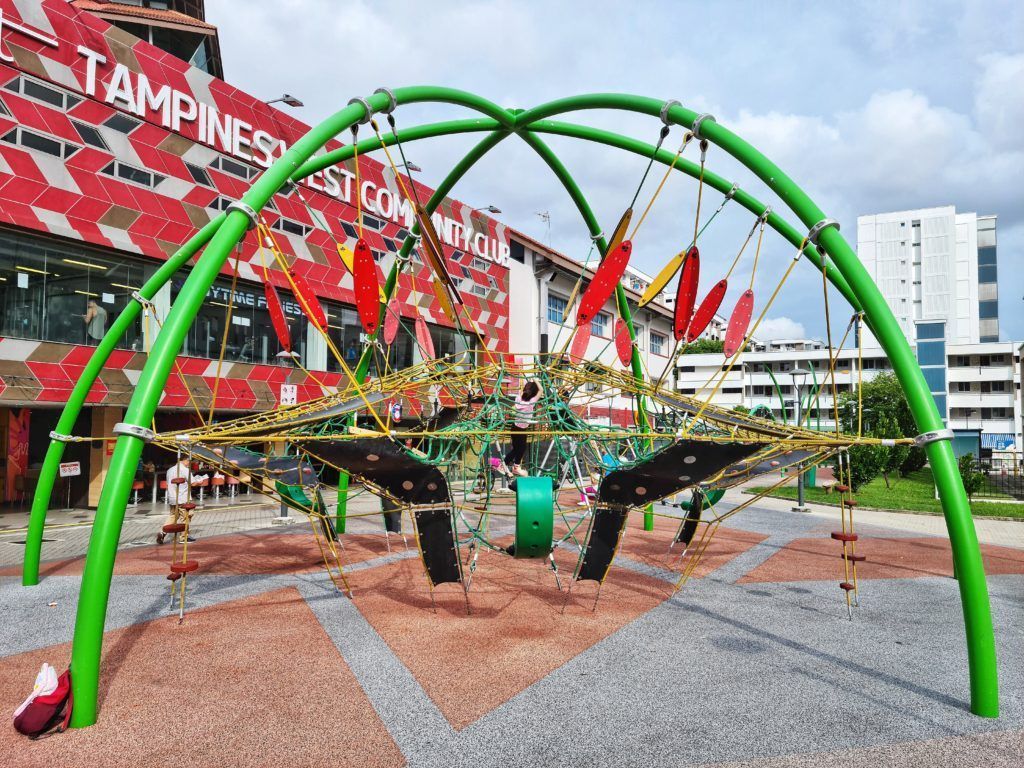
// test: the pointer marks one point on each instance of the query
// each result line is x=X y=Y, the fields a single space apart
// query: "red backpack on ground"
x=48 y=711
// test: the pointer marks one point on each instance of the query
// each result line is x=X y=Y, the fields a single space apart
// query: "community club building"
x=113 y=152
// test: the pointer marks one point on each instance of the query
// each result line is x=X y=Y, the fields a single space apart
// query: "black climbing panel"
x=680 y=465
x=605 y=531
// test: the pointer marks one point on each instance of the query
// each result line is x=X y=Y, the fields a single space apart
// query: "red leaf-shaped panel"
x=686 y=295
x=578 y=353
x=623 y=344
x=605 y=279
x=367 y=289
x=277 y=318
x=738 y=323
x=426 y=344
x=308 y=300
x=391 y=323
x=706 y=311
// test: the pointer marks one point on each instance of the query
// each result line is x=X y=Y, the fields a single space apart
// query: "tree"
x=884 y=403
x=704 y=346
x=970 y=476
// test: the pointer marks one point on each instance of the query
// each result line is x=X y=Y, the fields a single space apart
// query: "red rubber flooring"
x=244 y=553
x=249 y=682
x=515 y=635
x=887 y=558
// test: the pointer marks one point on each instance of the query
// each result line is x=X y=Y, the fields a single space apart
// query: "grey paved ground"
x=763 y=674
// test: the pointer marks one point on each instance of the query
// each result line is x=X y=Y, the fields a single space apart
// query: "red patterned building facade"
x=113 y=153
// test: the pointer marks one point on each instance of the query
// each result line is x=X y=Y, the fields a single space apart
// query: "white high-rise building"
x=935 y=265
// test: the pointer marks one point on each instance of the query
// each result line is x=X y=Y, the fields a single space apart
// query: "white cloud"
x=780 y=328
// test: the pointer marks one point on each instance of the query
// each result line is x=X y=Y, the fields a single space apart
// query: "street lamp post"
x=288 y=99
x=488 y=208
x=799 y=375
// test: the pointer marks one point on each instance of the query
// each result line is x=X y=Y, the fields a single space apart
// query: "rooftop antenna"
x=545 y=216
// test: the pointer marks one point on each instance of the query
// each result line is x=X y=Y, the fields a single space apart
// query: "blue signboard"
x=997 y=441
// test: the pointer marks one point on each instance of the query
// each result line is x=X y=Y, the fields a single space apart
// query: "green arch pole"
x=110 y=513
x=76 y=400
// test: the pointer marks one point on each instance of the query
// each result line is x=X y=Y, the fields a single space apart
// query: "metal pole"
x=800 y=477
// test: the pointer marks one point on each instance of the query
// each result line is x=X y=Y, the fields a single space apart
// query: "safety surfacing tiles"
x=754 y=663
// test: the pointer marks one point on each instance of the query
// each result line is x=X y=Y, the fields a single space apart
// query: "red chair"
x=137 y=486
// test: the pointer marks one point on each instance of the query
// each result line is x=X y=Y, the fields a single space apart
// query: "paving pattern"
x=753 y=664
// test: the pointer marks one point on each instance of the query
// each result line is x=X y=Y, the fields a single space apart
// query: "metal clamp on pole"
x=732 y=192
x=927 y=438
x=144 y=434
x=598 y=236
x=695 y=128
x=146 y=303
x=367 y=109
x=664 y=110
x=250 y=214
x=62 y=438
x=812 y=234
x=392 y=101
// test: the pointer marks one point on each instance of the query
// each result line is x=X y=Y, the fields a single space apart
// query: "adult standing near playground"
x=95 y=318
x=525 y=404
x=179 y=492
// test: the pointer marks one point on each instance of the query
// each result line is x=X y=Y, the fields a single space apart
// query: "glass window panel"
x=988 y=309
x=931 y=330
x=931 y=353
x=65 y=293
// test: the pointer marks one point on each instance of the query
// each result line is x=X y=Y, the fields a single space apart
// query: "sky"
x=868 y=106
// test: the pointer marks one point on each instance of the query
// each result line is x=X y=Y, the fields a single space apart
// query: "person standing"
x=525 y=403
x=95 y=318
x=178 y=494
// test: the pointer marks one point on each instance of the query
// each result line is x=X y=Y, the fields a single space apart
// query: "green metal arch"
x=117 y=487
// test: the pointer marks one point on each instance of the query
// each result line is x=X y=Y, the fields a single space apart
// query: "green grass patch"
x=913 y=493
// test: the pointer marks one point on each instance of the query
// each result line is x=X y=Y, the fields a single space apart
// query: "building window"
x=658 y=343
x=935 y=378
x=346 y=333
x=48 y=288
x=250 y=337
x=931 y=330
x=988 y=273
x=987 y=256
x=687 y=369
x=600 y=324
x=122 y=123
x=44 y=93
x=640 y=333
x=732 y=390
x=119 y=170
x=90 y=135
x=219 y=203
x=39 y=142
x=234 y=167
x=199 y=175
x=556 y=308
x=291 y=227
x=988 y=309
